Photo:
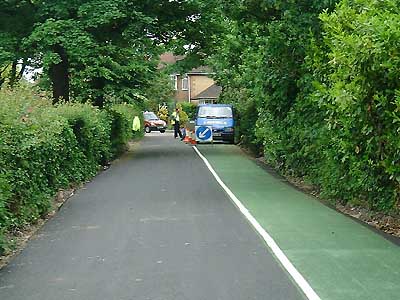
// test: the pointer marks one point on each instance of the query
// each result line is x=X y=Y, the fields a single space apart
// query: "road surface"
x=155 y=226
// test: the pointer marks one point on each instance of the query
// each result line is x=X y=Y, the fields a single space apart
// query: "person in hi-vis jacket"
x=175 y=121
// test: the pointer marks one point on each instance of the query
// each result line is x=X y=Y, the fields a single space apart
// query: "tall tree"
x=95 y=48
x=16 y=23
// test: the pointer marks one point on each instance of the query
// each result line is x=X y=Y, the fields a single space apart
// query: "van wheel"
x=147 y=129
x=162 y=131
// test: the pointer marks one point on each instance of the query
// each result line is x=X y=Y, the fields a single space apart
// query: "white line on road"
x=297 y=277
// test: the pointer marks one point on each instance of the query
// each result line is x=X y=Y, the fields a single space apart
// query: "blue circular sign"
x=204 y=133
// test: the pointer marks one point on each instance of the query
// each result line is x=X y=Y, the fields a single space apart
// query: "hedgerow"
x=121 y=118
x=359 y=93
x=317 y=89
x=44 y=148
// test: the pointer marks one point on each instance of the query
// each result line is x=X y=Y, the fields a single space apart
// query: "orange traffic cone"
x=190 y=138
x=187 y=137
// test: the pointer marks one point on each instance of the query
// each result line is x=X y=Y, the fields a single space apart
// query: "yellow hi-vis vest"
x=136 y=124
x=175 y=117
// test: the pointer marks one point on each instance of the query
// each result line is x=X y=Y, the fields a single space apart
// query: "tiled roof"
x=212 y=92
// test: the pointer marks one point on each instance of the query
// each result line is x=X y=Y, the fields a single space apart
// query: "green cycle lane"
x=340 y=258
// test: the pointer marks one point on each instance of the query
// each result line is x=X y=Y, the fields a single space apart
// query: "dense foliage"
x=190 y=109
x=44 y=148
x=159 y=93
x=358 y=92
x=183 y=116
x=316 y=87
x=90 y=50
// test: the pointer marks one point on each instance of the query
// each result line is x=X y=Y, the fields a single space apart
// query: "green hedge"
x=189 y=109
x=121 y=116
x=317 y=90
x=44 y=148
x=359 y=93
x=91 y=128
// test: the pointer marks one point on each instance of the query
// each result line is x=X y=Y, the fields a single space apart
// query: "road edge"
x=272 y=245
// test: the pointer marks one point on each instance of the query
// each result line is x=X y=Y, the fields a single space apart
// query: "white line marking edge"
x=297 y=277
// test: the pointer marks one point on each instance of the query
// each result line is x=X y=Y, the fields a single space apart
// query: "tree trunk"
x=15 y=74
x=59 y=75
x=22 y=70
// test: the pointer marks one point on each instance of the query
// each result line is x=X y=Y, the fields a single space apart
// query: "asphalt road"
x=155 y=226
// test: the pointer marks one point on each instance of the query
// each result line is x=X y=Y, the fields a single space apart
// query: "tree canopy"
x=316 y=87
x=95 y=49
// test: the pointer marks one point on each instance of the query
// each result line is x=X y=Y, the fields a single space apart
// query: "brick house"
x=195 y=86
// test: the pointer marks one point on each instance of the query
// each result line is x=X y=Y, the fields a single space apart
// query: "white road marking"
x=297 y=277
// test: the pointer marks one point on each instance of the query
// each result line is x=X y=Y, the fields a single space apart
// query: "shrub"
x=44 y=148
x=31 y=135
x=5 y=216
x=121 y=116
x=323 y=90
x=92 y=131
x=162 y=113
x=359 y=94
x=189 y=109
x=183 y=117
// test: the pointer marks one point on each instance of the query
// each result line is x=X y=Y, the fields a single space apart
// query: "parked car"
x=153 y=123
x=220 y=117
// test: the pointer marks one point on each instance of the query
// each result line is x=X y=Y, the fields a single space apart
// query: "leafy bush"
x=189 y=109
x=44 y=148
x=183 y=117
x=162 y=113
x=320 y=81
x=5 y=216
x=91 y=128
x=121 y=116
x=359 y=92
x=32 y=152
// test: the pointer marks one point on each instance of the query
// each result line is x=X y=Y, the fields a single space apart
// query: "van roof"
x=222 y=104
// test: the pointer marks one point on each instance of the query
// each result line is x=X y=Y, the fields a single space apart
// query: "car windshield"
x=215 y=112
x=150 y=116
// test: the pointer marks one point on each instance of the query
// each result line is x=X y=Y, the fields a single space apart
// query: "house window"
x=174 y=81
x=185 y=83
